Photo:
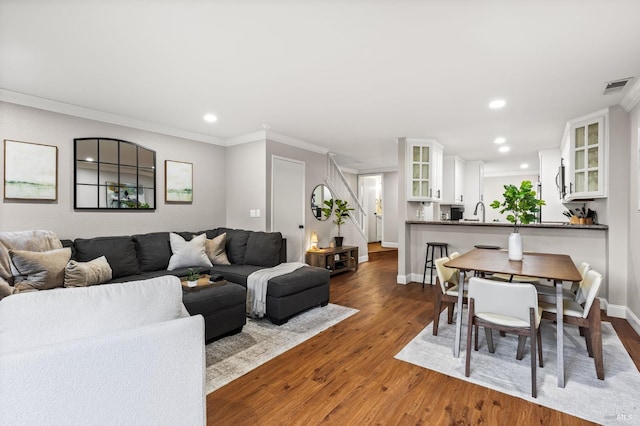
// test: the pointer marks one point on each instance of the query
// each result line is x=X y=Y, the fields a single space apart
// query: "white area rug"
x=616 y=400
x=260 y=341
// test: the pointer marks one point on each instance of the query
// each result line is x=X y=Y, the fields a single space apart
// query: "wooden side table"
x=335 y=259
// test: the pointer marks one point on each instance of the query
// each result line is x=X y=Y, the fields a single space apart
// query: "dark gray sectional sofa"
x=145 y=256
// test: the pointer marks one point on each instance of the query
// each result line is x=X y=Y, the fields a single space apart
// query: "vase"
x=515 y=246
x=192 y=283
x=338 y=241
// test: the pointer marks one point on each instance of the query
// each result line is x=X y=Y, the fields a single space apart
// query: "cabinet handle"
x=430 y=191
x=438 y=193
x=461 y=198
x=570 y=187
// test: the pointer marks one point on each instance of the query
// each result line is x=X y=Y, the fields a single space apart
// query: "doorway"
x=288 y=203
x=370 y=194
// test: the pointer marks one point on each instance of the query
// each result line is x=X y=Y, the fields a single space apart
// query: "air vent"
x=615 y=86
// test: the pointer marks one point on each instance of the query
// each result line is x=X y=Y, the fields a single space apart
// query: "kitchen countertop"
x=560 y=225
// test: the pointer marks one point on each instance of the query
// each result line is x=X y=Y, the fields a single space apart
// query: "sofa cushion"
x=236 y=247
x=84 y=274
x=119 y=251
x=215 y=249
x=40 y=270
x=39 y=240
x=153 y=251
x=235 y=273
x=263 y=249
x=188 y=253
x=27 y=319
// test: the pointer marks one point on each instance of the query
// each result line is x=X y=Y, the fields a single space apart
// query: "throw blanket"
x=23 y=240
x=257 y=286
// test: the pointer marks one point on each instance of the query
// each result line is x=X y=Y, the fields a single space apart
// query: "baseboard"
x=402 y=279
x=633 y=320
x=362 y=259
x=389 y=245
x=615 y=311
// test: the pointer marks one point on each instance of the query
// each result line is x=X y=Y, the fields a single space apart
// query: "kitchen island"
x=584 y=243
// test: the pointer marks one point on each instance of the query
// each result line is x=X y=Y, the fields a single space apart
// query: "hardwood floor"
x=347 y=375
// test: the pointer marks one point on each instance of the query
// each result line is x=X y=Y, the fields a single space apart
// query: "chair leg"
x=539 y=333
x=467 y=364
x=588 y=342
x=450 y=307
x=532 y=331
x=436 y=312
x=489 y=337
x=522 y=341
x=475 y=346
x=596 y=337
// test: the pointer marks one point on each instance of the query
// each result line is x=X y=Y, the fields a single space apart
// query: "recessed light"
x=497 y=104
x=89 y=158
x=504 y=149
x=524 y=166
x=210 y=118
x=499 y=141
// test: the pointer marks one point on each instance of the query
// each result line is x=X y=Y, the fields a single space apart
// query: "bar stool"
x=429 y=259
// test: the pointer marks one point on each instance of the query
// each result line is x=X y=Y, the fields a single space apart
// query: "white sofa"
x=116 y=354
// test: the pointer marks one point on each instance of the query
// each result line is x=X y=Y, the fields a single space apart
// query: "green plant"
x=521 y=204
x=192 y=275
x=340 y=208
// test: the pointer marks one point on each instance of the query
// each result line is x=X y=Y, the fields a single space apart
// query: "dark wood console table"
x=335 y=259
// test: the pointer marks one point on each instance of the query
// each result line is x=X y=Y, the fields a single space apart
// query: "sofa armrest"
x=154 y=374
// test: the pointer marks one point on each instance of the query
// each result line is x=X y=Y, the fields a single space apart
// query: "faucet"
x=475 y=211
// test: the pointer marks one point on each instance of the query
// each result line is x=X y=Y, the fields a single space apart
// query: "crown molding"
x=91 y=114
x=248 y=138
x=299 y=143
x=527 y=172
x=632 y=98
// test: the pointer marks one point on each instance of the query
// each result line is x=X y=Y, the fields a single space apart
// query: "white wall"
x=493 y=190
x=33 y=125
x=390 y=209
x=246 y=183
x=549 y=166
x=633 y=276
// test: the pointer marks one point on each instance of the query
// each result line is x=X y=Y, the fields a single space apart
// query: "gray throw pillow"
x=263 y=249
x=40 y=270
x=84 y=274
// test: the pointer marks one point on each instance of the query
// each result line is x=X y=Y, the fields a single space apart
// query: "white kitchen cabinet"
x=424 y=170
x=453 y=180
x=473 y=186
x=586 y=162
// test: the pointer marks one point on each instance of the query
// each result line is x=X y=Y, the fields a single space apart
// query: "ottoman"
x=223 y=308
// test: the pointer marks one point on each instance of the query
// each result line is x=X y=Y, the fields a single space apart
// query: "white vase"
x=515 y=246
x=193 y=283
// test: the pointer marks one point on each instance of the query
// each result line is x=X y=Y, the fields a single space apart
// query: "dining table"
x=554 y=267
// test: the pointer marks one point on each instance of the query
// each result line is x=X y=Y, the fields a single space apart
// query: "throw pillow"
x=263 y=249
x=188 y=253
x=83 y=274
x=215 y=250
x=40 y=270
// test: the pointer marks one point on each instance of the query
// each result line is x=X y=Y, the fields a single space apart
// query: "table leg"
x=560 y=333
x=456 y=344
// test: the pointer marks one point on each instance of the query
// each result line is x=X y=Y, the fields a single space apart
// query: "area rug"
x=616 y=400
x=260 y=341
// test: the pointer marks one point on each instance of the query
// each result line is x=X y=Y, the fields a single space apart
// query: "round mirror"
x=319 y=195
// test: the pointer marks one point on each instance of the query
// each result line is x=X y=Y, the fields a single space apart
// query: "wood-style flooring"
x=347 y=375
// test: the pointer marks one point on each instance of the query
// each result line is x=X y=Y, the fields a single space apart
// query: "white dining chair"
x=585 y=315
x=447 y=281
x=508 y=307
x=570 y=291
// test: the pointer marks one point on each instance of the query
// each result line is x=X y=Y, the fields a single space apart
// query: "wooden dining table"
x=555 y=267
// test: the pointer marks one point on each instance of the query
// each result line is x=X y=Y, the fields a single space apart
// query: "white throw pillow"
x=188 y=253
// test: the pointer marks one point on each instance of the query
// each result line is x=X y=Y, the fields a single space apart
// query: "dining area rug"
x=615 y=400
x=260 y=341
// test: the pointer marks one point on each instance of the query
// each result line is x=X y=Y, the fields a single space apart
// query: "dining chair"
x=585 y=315
x=508 y=307
x=447 y=281
x=515 y=278
x=571 y=292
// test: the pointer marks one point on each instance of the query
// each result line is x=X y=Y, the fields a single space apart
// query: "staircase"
x=340 y=188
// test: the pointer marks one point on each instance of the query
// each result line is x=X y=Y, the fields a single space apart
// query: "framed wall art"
x=30 y=171
x=178 y=182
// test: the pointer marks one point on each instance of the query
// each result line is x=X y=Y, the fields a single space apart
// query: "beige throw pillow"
x=84 y=274
x=215 y=250
x=40 y=270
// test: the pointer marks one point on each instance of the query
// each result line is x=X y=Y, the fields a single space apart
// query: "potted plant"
x=522 y=206
x=192 y=278
x=341 y=209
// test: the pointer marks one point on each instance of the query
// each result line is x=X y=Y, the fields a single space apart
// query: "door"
x=287 y=204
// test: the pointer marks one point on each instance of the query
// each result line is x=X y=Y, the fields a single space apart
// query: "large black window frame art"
x=113 y=174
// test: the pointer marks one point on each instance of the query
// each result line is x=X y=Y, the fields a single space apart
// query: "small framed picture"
x=30 y=171
x=178 y=182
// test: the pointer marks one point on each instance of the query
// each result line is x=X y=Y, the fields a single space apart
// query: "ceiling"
x=351 y=76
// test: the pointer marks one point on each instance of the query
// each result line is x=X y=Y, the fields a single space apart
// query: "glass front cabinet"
x=586 y=177
x=424 y=170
